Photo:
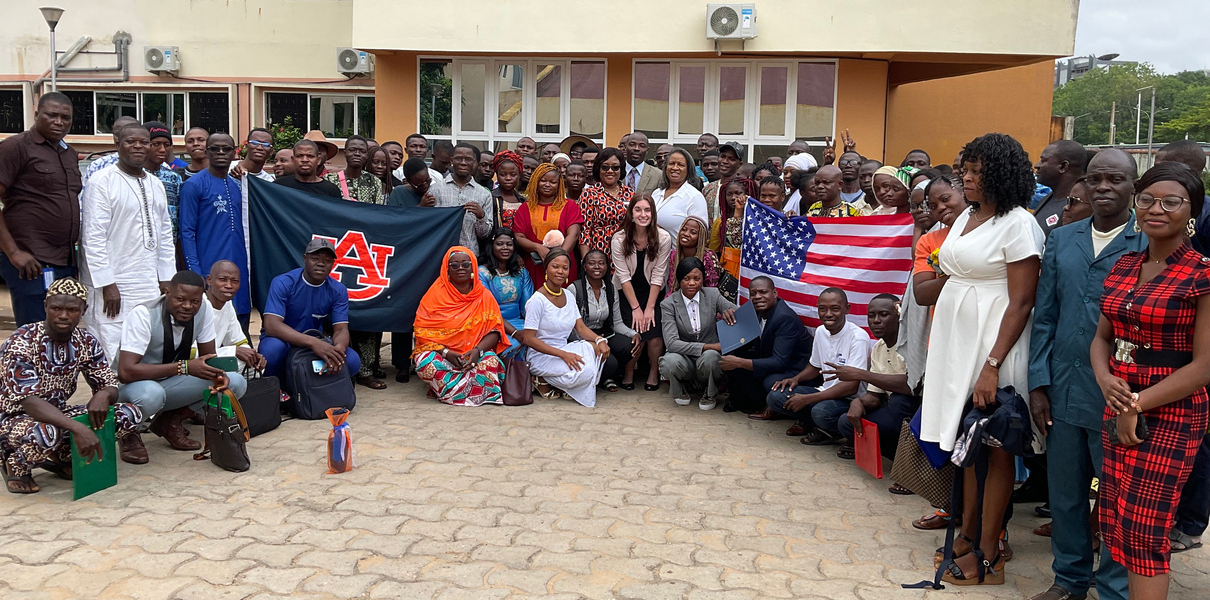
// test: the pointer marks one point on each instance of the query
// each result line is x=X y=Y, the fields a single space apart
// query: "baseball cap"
x=320 y=244
x=157 y=130
x=735 y=147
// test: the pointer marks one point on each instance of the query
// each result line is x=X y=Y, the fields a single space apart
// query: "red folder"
x=868 y=450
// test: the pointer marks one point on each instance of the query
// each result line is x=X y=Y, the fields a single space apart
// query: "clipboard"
x=745 y=331
x=867 y=449
x=97 y=474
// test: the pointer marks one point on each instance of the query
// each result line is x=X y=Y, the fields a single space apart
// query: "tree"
x=436 y=99
x=1179 y=98
x=1194 y=123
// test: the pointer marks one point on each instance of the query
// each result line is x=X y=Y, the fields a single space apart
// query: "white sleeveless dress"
x=553 y=326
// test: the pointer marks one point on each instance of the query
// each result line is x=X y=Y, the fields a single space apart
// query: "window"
x=495 y=102
x=743 y=101
x=12 y=111
x=337 y=115
x=93 y=113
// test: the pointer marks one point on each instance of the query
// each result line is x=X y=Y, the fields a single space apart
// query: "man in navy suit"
x=781 y=351
x=1066 y=403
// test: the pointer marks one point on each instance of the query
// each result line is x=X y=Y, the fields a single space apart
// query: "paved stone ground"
x=635 y=499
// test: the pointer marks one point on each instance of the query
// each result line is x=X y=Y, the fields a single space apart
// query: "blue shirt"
x=303 y=306
x=172 y=187
x=1066 y=312
x=212 y=229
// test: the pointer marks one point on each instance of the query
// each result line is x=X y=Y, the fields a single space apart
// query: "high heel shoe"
x=627 y=386
x=550 y=394
x=651 y=388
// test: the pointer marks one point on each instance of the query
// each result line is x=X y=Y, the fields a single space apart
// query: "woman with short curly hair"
x=980 y=336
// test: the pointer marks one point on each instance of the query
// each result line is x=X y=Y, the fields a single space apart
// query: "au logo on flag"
x=367 y=262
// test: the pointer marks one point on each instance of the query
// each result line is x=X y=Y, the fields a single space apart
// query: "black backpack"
x=313 y=393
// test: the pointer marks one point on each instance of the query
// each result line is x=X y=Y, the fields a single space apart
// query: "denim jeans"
x=29 y=295
x=153 y=397
x=275 y=352
x=823 y=415
x=889 y=420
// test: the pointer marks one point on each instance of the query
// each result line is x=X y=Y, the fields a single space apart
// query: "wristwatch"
x=993 y=363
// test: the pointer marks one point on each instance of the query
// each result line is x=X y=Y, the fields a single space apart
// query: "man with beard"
x=306 y=177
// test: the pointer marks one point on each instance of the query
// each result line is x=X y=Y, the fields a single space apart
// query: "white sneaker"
x=707 y=403
x=683 y=401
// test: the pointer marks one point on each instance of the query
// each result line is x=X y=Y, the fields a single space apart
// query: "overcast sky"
x=1173 y=35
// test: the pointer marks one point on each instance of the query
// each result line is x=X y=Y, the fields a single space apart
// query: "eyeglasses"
x=922 y=206
x=465 y=265
x=1072 y=201
x=220 y=149
x=259 y=143
x=848 y=163
x=1168 y=203
x=611 y=167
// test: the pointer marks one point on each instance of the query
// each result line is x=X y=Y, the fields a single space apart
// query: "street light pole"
x=1138 y=118
x=1151 y=128
x=52 y=16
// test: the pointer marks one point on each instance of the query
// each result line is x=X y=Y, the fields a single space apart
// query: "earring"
x=1136 y=227
x=1191 y=228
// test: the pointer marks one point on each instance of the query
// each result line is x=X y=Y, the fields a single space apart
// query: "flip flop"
x=846 y=451
x=1182 y=541
x=899 y=490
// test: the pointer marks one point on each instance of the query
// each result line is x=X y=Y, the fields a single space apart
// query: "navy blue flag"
x=386 y=256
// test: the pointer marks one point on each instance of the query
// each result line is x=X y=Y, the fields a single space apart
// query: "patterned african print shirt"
x=844 y=209
x=32 y=364
x=366 y=188
x=172 y=187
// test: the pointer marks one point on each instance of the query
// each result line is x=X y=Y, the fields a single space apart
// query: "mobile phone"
x=224 y=363
x=48 y=277
x=318 y=366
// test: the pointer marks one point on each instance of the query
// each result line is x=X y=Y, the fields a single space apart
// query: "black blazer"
x=784 y=345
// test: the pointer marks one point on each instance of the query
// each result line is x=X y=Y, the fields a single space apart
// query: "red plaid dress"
x=1141 y=485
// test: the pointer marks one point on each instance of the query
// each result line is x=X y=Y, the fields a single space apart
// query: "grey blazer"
x=678 y=333
x=649 y=181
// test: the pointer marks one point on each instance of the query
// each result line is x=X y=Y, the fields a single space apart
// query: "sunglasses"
x=1072 y=201
x=465 y=265
x=220 y=149
x=611 y=167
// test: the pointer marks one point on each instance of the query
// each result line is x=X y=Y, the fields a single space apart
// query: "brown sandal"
x=371 y=382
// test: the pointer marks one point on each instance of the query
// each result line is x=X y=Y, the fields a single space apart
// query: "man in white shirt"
x=111 y=159
x=417 y=146
x=837 y=342
x=127 y=249
x=221 y=286
x=154 y=363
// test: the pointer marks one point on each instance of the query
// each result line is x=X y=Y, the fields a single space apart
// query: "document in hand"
x=98 y=473
x=744 y=332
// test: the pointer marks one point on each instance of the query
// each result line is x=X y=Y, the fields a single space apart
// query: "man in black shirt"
x=305 y=177
x=1059 y=167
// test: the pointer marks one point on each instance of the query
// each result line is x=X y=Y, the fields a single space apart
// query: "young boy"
x=837 y=342
x=888 y=400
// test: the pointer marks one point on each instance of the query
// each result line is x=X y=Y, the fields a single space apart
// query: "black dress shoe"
x=651 y=388
x=627 y=386
x=729 y=408
x=402 y=376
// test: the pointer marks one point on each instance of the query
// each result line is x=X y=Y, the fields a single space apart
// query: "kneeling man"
x=40 y=365
x=154 y=363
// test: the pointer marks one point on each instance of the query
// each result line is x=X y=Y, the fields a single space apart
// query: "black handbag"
x=262 y=402
x=226 y=433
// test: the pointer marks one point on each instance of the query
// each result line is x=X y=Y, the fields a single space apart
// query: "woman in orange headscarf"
x=459 y=332
x=546 y=221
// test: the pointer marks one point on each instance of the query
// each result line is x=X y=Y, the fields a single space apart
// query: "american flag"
x=864 y=256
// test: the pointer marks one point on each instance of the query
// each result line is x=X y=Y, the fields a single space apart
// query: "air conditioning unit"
x=161 y=59
x=351 y=61
x=730 y=21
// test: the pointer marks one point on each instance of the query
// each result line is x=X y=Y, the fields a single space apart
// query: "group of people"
x=598 y=267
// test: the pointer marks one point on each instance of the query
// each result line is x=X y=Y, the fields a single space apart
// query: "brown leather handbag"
x=516 y=387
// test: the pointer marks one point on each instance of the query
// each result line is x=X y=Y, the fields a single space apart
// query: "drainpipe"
x=121 y=49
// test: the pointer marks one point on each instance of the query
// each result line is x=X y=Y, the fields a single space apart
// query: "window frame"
x=710 y=110
x=139 y=90
x=27 y=113
x=529 y=98
x=354 y=92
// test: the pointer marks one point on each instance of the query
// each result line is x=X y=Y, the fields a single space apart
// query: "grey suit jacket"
x=648 y=182
x=678 y=332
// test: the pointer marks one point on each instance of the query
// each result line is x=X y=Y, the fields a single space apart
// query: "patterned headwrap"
x=902 y=174
x=531 y=192
x=68 y=287
x=510 y=156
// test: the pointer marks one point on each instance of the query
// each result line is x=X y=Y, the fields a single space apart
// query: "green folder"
x=95 y=475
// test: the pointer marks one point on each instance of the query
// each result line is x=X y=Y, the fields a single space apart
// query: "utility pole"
x=1138 y=118
x=1113 y=127
x=1151 y=128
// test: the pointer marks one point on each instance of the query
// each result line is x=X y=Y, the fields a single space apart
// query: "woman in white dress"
x=980 y=334
x=557 y=365
x=678 y=197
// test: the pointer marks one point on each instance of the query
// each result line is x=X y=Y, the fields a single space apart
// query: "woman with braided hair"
x=727 y=233
x=546 y=221
x=507 y=165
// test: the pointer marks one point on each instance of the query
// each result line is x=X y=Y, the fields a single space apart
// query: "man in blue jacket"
x=783 y=349
x=1066 y=403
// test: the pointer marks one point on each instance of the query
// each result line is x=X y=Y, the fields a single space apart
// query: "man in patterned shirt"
x=39 y=367
x=355 y=182
x=157 y=164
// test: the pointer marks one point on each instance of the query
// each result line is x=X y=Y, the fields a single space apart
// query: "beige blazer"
x=649 y=181
x=655 y=270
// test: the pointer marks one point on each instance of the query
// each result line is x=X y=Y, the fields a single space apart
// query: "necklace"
x=148 y=228
x=978 y=220
x=555 y=292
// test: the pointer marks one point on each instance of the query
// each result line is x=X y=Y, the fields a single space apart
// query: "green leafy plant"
x=285 y=134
